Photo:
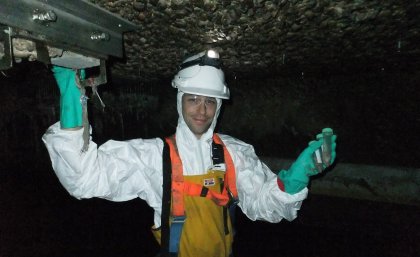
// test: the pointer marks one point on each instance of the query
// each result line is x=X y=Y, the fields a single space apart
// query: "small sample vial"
x=317 y=158
x=327 y=134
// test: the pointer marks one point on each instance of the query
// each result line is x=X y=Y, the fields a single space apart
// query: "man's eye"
x=211 y=101
x=192 y=100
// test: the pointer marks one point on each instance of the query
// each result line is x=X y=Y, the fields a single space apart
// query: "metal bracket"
x=94 y=81
x=78 y=25
x=6 y=60
x=75 y=26
x=42 y=53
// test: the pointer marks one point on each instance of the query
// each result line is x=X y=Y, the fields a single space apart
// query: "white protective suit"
x=124 y=170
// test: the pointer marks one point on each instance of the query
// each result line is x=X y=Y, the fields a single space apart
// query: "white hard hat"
x=201 y=74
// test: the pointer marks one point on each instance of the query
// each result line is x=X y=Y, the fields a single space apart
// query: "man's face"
x=198 y=112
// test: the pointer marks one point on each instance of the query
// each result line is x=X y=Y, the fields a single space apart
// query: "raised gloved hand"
x=297 y=177
x=70 y=105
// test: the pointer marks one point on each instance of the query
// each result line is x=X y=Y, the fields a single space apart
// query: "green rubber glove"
x=297 y=177
x=70 y=106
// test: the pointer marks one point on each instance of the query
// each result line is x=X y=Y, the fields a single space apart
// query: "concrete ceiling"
x=257 y=37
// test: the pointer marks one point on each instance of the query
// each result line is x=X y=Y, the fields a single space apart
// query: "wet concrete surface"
x=39 y=219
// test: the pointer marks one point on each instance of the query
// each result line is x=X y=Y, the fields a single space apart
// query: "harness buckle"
x=178 y=219
x=232 y=200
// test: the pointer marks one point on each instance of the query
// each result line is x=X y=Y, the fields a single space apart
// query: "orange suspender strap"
x=181 y=187
x=230 y=177
x=177 y=179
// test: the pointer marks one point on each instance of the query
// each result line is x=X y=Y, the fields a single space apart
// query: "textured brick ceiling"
x=268 y=37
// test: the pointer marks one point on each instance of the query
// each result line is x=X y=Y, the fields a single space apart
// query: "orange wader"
x=195 y=212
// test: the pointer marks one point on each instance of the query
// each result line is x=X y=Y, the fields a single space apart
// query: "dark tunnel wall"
x=375 y=113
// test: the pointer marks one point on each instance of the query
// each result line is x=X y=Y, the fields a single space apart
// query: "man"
x=190 y=179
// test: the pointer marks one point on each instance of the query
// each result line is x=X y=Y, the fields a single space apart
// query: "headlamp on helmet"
x=210 y=58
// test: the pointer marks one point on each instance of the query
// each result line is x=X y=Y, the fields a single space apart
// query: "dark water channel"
x=38 y=218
